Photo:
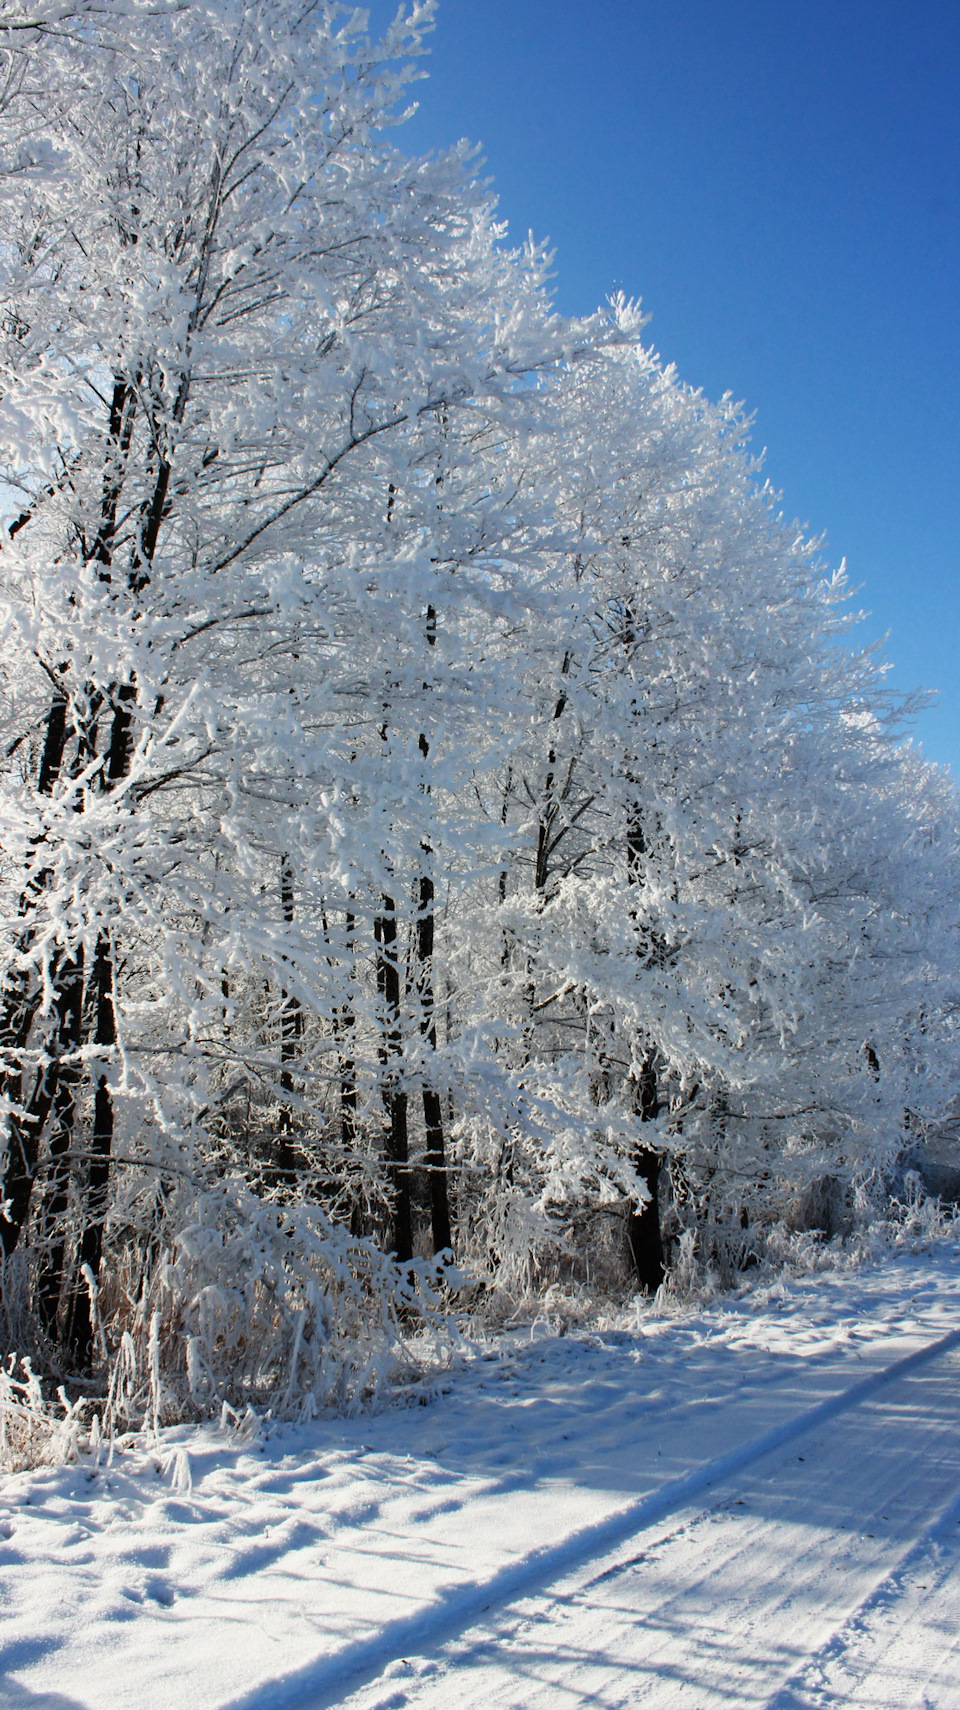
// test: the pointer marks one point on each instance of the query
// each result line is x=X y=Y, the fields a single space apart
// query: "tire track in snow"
x=880 y=1637
x=329 y=1680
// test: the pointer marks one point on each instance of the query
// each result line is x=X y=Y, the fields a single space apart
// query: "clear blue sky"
x=779 y=180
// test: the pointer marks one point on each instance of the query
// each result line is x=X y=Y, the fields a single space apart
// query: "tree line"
x=440 y=793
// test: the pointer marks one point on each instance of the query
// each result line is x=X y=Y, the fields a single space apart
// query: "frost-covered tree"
x=717 y=832
x=241 y=332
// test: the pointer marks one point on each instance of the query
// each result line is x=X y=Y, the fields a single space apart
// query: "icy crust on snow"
x=351 y=1557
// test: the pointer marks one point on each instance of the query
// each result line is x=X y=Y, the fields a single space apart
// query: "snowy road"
x=821 y=1573
x=751 y=1505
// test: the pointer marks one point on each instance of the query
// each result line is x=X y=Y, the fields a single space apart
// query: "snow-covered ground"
x=757 y=1504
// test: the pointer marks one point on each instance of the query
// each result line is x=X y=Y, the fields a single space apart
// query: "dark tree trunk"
x=23 y=1151
x=394 y=1094
x=20 y=1005
x=643 y=1226
x=550 y=827
x=434 y=1155
x=62 y=1161
x=346 y=1024
x=79 y=1332
x=67 y=1074
x=344 y=1033
x=54 y=742
x=643 y=1223
x=291 y=1035
x=23 y=1132
x=434 y=1159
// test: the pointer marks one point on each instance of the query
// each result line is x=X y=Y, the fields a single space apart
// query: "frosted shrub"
x=912 y=1224
x=240 y=1308
x=34 y=1429
x=250 y=1303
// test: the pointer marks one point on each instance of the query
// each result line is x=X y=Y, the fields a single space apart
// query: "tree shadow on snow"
x=15 y=1696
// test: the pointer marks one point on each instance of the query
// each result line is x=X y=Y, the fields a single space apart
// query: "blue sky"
x=779 y=180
